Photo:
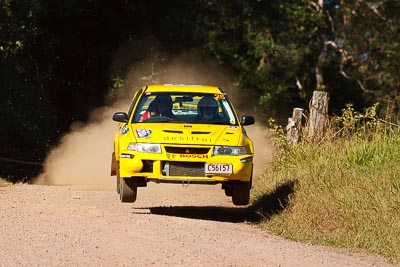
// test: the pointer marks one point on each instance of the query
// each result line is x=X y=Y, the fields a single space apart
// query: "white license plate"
x=218 y=168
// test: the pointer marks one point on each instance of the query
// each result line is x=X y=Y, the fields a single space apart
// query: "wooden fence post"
x=293 y=128
x=318 y=114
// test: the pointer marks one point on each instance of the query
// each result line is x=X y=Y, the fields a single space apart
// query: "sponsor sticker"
x=219 y=96
x=143 y=132
x=124 y=129
x=170 y=156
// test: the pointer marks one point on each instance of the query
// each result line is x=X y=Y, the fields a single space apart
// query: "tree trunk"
x=318 y=114
x=294 y=127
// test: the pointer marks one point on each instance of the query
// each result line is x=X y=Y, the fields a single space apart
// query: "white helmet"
x=207 y=107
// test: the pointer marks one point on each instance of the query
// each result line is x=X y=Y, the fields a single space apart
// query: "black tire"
x=128 y=190
x=241 y=193
x=227 y=189
x=118 y=179
x=228 y=192
x=118 y=185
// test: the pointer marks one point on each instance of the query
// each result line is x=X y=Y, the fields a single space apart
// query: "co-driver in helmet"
x=207 y=110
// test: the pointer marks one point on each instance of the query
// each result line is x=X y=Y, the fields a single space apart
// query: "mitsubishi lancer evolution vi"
x=183 y=134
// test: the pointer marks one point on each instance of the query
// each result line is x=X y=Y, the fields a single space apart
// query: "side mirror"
x=247 y=120
x=120 y=117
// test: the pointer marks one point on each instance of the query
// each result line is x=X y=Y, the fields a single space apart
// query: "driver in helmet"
x=207 y=110
x=161 y=106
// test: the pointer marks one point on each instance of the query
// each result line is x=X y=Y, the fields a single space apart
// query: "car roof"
x=182 y=88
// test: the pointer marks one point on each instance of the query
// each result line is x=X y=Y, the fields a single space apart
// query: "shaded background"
x=60 y=61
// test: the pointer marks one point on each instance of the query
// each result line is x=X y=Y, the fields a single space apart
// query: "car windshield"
x=184 y=108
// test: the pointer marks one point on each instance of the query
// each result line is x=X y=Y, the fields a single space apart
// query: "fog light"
x=136 y=165
x=127 y=156
x=249 y=159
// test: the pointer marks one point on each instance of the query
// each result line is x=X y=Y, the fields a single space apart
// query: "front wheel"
x=118 y=184
x=241 y=193
x=228 y=192
x=227 y=189
x=128 y=190
x=118 y=178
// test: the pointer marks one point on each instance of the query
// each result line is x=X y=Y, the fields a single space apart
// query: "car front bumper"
x=178 y=168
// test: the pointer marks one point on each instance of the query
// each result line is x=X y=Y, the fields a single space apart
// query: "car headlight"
x=143 y=147
x=229 y=150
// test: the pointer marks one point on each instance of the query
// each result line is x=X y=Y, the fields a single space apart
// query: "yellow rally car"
x=185 y=134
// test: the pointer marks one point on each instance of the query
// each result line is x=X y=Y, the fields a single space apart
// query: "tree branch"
x=374 y=8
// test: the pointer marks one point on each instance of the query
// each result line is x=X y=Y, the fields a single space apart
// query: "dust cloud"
x=83 y=157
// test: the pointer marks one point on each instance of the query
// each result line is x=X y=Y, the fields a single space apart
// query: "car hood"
x=196 y=134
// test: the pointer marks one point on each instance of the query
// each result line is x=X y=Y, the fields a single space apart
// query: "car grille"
x=177 y=168
x=187 y=150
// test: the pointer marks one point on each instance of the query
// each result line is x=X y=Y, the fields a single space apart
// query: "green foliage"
x=117 y=83
x=16 y=26
x=348 y=192
x=28 y=122
x=356 y=123
x=371 y=39
x=278 y=136
x=275 y=48
x=267 y=43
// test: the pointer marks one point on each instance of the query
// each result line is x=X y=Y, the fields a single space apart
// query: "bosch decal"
x=194 y=156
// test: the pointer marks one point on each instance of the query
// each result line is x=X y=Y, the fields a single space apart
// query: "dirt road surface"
x=169 y=225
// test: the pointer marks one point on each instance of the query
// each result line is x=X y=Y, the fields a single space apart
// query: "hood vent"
x=197 y=132
x=172 y=131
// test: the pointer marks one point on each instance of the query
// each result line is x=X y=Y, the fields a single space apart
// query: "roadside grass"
x=344 y=191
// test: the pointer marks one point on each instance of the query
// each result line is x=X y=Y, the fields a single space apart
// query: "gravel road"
x=168 y=225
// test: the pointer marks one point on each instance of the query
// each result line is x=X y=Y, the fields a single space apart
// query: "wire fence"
x=21 y=161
